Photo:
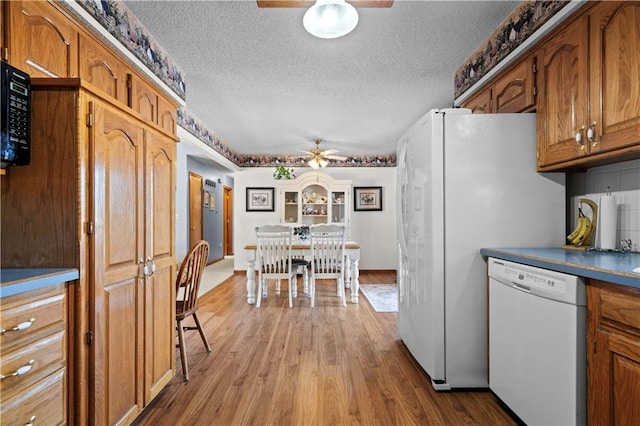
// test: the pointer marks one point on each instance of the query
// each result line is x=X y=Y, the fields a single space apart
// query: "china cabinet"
x=314 y=198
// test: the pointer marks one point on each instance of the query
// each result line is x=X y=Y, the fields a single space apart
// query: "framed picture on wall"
x=367 y=198
x=212 y=201
x=260 y=199
x=206 y=198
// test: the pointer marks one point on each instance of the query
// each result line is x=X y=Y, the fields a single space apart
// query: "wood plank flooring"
x=327 y=365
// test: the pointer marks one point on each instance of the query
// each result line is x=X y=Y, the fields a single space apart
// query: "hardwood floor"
x=329 y=365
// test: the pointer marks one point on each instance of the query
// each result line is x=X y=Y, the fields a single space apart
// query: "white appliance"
x=465 y=182
x=537 y=344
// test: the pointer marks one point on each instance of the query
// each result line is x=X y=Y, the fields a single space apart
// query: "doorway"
x=228 y=221
x=195 y=209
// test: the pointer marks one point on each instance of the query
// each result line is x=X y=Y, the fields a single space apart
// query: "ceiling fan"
x=319 y=159
x=309 y=3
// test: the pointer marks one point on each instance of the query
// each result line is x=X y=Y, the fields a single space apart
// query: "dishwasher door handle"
x=521 y=287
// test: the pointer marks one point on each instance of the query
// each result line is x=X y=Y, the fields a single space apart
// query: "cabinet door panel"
x=624 y=381
x=143 y=99
x=615 y=71
x=514 y=91
x=120 y=365
x=481 y=102
x=167 y=116
x=159 y=288
x=43 y=42
x=562 y=108
x=102 y=69
x=117 y=244
x=159 y=331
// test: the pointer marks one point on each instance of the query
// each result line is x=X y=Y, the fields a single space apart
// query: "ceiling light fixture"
x=330 y=19
x=316 y=163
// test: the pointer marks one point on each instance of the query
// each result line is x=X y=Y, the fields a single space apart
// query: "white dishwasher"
x=537 y=343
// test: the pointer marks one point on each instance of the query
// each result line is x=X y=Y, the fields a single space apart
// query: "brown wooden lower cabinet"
x=39 y=394
x=613 y=354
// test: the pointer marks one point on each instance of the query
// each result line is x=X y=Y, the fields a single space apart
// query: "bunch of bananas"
x=582 y=230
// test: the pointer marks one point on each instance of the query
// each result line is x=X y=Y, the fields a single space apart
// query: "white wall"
x=190 y=146
x=623 y=181
x=375 y=231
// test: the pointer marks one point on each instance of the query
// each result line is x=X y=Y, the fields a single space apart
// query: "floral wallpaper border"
x=118 y=20
x=514 y=30
x=206 y=136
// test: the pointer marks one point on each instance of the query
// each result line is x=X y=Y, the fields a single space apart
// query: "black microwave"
x=16 y=117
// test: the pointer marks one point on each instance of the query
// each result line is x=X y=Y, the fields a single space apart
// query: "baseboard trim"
x=362 y=271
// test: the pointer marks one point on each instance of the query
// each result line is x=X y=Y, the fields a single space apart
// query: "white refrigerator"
x=465 y=182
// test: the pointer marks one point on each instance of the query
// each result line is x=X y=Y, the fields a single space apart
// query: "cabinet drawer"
x=45 y=400
x=620 y=310
x=44 y=356
x=41 y=315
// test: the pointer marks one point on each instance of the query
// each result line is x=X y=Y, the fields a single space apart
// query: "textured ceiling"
x=265 y=86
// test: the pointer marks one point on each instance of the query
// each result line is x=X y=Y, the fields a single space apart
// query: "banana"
x=578 y=229
x=584 y=231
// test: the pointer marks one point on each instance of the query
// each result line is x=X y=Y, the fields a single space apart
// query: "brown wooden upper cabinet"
x=481 y=102
x=147 y=101
x=41 y=40
x=589 y=105
x=167 y=116
x=512 y=91
x=103 y=69
x=143 y=98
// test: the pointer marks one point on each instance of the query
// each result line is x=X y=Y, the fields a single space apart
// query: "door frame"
x=228 y=220
x=195 y=208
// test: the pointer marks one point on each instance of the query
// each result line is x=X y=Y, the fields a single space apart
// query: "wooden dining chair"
x=327 y=257
x=187 y=285
x=274 y=259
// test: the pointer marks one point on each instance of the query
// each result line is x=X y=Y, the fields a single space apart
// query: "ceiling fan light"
x=313 y=163
x=323 y=163
x=330 y=19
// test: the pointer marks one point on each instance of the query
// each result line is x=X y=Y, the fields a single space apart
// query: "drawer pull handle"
x=21 y=326
x=31 y=421
x=20 y=371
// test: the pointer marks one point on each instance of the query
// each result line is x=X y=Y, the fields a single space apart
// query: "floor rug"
x=382 y=297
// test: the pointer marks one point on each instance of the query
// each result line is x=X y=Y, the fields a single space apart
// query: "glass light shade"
x=330 y=19
x=315 y=164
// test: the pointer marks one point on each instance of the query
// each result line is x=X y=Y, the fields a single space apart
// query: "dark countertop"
x=613 y=267
x=19 y=280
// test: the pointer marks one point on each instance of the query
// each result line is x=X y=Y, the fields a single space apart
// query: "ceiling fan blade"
x=309 y=3
x=306 y=152
x=329 y=152
x=335 y=157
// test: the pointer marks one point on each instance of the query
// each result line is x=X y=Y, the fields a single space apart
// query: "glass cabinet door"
x=337 y=207
x=291 y=207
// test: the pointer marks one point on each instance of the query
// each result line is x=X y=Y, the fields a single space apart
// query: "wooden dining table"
x=351 y=273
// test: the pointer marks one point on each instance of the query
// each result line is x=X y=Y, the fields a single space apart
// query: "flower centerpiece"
x=301 y=232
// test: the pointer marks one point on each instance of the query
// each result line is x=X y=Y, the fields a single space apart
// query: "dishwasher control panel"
x=541 y=282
